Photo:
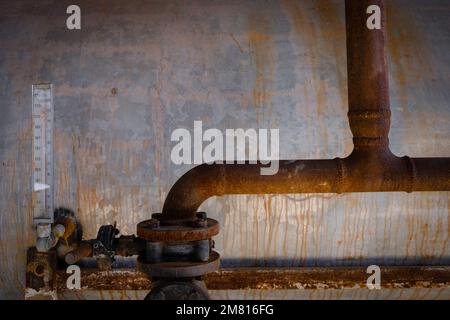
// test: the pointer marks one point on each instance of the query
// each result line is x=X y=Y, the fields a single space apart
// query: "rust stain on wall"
x=15 y=211
x=157 y=110
x=261 y=56
x=329 y=15
x=317 y=26
x=411 y=68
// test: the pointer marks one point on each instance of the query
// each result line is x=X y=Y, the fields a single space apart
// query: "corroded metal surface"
x=180 y=269
x=275 y=278
x=365 y=170
x=294 y=283
x=176 y=254
x=182 y=232
x=41 y=269
x=83 y=250
x=327 y=278
x=243 y=65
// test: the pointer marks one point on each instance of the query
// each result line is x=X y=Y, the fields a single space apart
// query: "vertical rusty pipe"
x=368 y=102
x=368 y=88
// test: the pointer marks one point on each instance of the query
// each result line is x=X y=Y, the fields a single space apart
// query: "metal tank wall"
x=140 y=69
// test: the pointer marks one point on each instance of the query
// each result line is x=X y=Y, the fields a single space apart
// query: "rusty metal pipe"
x=83 y=250
x=357 y=173
x=205 y=181
x=367 y=76
x=371 y=167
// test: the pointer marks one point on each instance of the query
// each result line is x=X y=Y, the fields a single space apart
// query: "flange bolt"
x=201 y=221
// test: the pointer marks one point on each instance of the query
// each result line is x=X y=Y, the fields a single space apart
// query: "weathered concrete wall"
x=231 y=64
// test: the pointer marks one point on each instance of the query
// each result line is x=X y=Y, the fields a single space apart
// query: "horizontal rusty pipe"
x=357 y=173
x=371 y=167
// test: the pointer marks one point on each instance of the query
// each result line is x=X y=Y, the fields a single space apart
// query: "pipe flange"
x=199 y=229
x=179 y=269
x=191 y=289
